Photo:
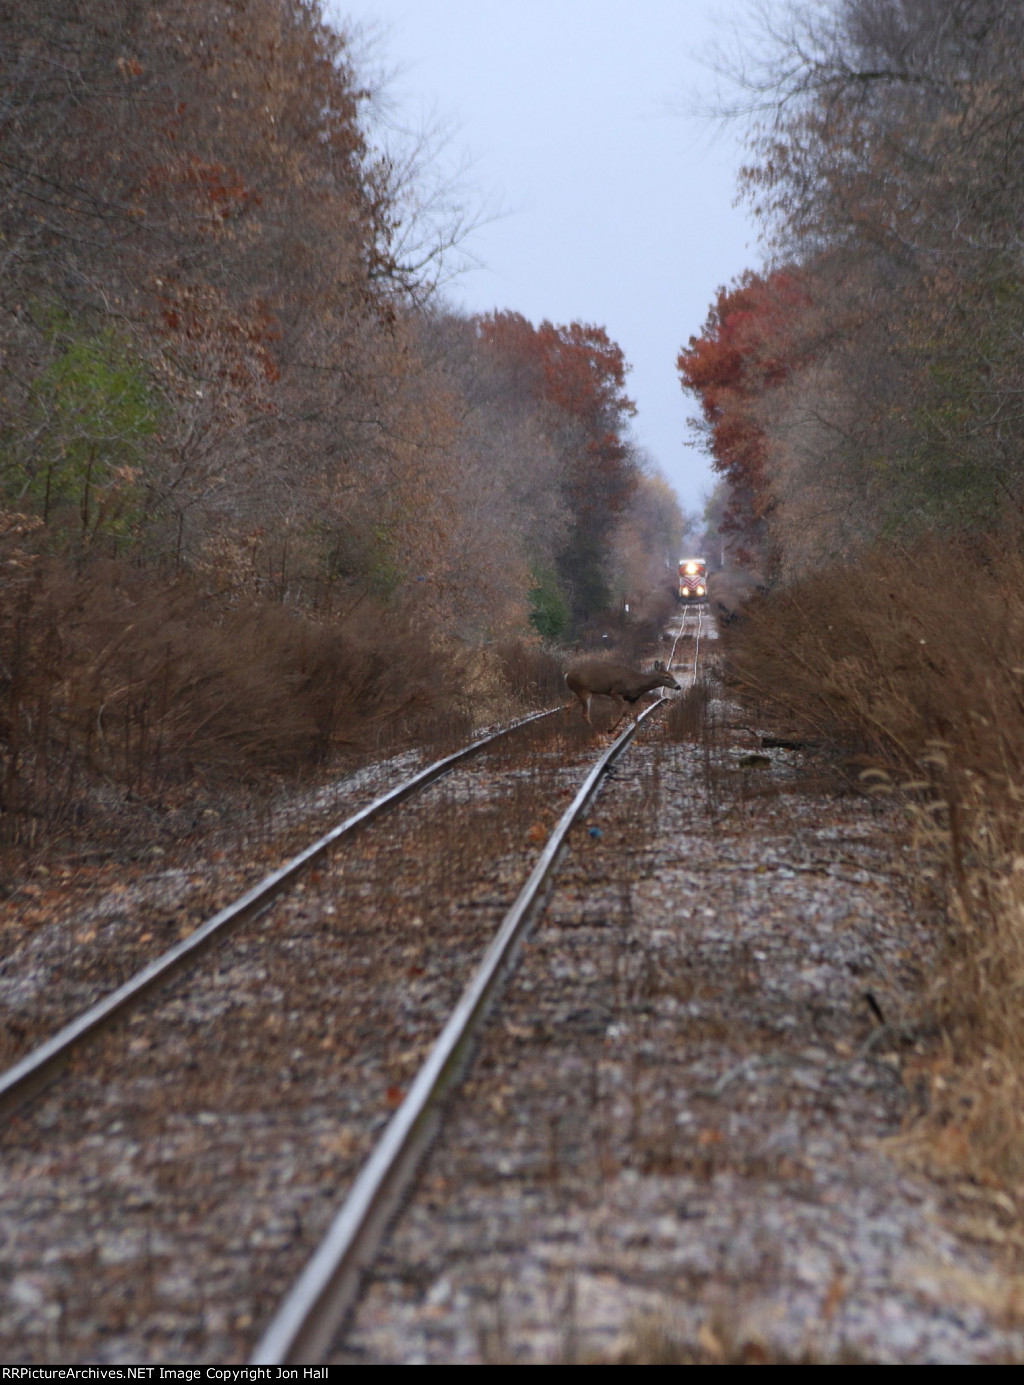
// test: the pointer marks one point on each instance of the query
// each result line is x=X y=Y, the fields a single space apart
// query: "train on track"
x=693 y=579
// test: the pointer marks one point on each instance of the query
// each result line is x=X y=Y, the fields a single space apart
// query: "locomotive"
x=693 y=579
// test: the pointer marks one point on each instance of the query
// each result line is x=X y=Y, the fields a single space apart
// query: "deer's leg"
x=623 y=708
x=583 y=698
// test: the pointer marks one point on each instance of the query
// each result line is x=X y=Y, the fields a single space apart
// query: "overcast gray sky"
x=618 y=206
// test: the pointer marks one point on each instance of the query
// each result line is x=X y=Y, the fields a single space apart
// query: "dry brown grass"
x=687 y=718
x=913 y=662
x=114 y=682
x=530 y=672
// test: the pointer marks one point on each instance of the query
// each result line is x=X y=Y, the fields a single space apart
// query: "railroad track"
x=322 y=1297
x=298 y=1335
x=303 y=1327
x=695 y=624
x=46 y=1061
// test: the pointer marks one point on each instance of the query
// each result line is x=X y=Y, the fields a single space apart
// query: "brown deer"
x=595 y=678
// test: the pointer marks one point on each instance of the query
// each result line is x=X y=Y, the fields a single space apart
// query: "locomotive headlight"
x=686 y=591
x=700 y=591
x=691 y=569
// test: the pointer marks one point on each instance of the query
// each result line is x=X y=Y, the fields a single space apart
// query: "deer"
x=595 y=678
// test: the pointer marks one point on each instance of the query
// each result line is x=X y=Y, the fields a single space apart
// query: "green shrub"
x=549 y=610
x=79 y=461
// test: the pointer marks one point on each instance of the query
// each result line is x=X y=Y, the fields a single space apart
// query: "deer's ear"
x=659 y=667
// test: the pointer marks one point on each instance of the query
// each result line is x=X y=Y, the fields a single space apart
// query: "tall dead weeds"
x=913 y=661
x=114 y=682
x=530 y=672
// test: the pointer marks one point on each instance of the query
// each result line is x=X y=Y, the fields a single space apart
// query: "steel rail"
x=325 y=1292
x=45 y=1062
x=696 y=641
x=698 y=611
x=678 y=636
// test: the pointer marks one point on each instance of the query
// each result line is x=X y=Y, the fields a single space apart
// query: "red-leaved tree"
x=745 y=350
